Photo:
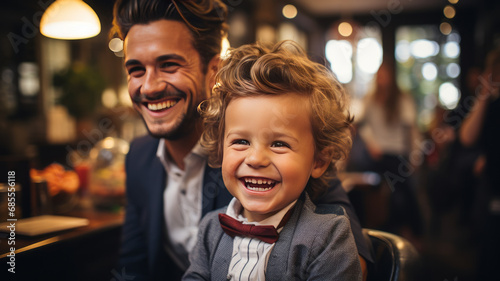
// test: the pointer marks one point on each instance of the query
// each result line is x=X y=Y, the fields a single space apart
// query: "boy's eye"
x=280 y=144
x=241 y=142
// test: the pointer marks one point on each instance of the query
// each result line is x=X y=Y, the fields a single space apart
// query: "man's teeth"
x=259 y=184
x=161 y=105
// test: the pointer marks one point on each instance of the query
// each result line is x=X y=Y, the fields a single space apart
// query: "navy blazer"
x=142 y=254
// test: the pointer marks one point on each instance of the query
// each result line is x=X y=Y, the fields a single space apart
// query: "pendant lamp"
x=70 y=19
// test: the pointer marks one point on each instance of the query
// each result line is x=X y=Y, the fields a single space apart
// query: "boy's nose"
x=153 y=84
x=257 y=158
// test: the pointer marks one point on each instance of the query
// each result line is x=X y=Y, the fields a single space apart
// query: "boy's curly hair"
x=254 y=70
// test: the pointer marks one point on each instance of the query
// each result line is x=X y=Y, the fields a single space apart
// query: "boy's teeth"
x=259 y=184
x=258 y=188
x=161 y=105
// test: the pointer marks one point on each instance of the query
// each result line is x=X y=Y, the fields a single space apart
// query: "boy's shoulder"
x=333 y=209
x=212 y=217
x=322 y=215
x=328 y=209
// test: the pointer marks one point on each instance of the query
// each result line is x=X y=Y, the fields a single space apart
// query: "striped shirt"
x=250 y=255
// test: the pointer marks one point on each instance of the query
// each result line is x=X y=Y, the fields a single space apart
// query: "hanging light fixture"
x=70 y=19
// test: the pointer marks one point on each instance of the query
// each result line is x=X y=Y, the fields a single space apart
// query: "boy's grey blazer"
x=315 y=244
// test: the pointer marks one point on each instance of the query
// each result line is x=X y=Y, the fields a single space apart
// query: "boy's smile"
x=269 y=152
x=258 y=184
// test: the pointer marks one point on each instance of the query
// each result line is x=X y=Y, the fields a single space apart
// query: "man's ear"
x=212 y=68
x=321 y=162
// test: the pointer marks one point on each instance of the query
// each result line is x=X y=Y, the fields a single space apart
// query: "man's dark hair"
x=206 y=19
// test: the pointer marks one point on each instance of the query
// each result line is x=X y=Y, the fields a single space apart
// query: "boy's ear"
x=321 y=162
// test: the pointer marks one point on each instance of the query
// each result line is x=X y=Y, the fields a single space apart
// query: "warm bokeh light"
x=124 y=97
x=225 y=47
x=453 y=1
x=449 y=11
x=449 y=95
x=108 y=98
x=369 y=55
x=116 y=45
x=423 y=48
x=70 y=19
x=345 y=29
x=445 y=28
x=339 y=54
x=289 y=11
x=266 y=34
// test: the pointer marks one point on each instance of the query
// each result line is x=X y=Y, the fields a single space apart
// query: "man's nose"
x=258 y=157
x=153 y=83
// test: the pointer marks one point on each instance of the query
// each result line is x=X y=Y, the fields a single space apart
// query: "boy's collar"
x=235 y=210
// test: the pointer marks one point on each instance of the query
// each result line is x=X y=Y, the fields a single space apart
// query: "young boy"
x=277 y=123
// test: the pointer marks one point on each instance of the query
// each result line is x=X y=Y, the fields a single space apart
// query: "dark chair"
x=395 y=258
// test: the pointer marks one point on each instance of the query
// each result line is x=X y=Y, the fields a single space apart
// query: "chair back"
x=395 y=258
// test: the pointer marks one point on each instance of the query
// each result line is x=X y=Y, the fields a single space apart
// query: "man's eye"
x=280 y=144
x=169 y=65
x=135 y=70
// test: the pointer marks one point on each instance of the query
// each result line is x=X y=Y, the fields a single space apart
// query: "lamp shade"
x=70 y=19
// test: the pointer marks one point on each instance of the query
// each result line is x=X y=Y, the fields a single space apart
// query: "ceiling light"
x=445 y=28
x=345 y=29
x=70 y=19
x=289 y=11
x=449 y=12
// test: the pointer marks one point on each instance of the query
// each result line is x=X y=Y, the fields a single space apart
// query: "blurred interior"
x=65 y=113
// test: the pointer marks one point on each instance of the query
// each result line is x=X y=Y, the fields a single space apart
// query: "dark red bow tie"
x=233 y=227
x=266 y=233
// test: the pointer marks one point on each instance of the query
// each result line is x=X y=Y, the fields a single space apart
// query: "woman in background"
x=388 y=129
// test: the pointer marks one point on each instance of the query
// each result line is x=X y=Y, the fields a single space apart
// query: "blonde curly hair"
x=255 y=70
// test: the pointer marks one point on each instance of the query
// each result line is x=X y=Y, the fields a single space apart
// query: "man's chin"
x=173 y=134
x=175 y=131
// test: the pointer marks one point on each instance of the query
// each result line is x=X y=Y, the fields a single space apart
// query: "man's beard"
x=183 y=127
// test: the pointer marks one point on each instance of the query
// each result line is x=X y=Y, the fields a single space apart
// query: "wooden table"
x=84 y=253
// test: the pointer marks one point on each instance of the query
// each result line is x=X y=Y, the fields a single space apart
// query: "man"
x=171 y=55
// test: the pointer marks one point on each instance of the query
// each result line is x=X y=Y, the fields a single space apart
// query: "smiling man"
x=171 y=56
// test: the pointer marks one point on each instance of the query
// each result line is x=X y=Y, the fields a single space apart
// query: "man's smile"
x=160 y=105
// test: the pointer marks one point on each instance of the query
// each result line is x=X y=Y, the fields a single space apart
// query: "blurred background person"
x=387 y=126
x=482 y=128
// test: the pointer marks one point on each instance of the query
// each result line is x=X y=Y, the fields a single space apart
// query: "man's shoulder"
x=144 y=145
x=142 y=151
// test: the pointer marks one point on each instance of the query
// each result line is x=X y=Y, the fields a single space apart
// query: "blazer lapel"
x=157 y=177
x=278 y=260
x=222 y=258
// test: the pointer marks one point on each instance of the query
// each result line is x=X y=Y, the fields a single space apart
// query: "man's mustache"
x=169 y=92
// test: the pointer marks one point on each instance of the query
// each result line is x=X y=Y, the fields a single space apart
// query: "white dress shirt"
x=182 y=202
x=250 y=255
